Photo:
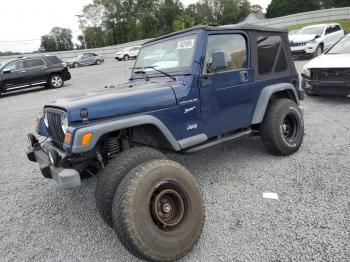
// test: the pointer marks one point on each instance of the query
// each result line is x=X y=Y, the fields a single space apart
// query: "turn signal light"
x=68 y=137
x=86 y=139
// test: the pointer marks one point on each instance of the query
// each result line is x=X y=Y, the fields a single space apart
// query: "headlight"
x=64 y=123
x=306 y=71
x=311 y=42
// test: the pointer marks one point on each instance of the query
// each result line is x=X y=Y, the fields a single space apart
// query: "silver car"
x=86 y=59
x=127 y=53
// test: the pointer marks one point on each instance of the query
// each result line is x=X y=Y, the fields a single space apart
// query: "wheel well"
x=54 y=73
x=322 y=45
x=147 y=135
x=284 y=94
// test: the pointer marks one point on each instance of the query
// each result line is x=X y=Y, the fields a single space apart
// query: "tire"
x=318 y=51
x=309 y=93
x=126 y=57
x=282 y=130
x=98 y=62
x=138 y=224
x=56 y=81
x=75 y=65
x=110 y=177
x=116 y=58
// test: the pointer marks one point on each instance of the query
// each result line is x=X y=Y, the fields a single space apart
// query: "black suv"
x=27 y=72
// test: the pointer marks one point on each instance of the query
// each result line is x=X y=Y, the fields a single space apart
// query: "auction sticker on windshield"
x=186 y=44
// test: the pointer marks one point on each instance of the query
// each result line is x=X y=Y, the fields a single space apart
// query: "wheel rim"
x=290 y=127
x=56 y=81
x=98 y=62
x=76 y=65
x=319 y=51
x=167 y=208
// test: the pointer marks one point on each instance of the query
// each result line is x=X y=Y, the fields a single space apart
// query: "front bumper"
x=303 y=51
x=66 y=178
x=324 y=87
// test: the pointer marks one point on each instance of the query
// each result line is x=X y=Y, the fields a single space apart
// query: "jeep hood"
x=123 y=100
x=330 y=61
x=301 y=38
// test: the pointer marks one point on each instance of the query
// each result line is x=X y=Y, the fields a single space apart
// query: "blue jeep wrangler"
x=188 y=91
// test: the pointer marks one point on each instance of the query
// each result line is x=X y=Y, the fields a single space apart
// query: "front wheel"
x=126 y=57
x=75 y=65
x=158 y=211
x=98 y=62
x=283 y=128
x=56 y=81
x=318 y=51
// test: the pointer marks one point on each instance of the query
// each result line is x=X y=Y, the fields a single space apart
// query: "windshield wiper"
x=146 y=77
x=160 y=71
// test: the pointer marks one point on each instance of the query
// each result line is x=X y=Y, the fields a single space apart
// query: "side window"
x=33 y=63
x=281 y=62
x=268 y=47
x=17 y=65
x=337 y=28
x=234 y=48
x=329 y=30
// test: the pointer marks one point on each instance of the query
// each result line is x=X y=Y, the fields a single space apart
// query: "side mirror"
x=7 y=71
x=218 y=60
x=317 y=36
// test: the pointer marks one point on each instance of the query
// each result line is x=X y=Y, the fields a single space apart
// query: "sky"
x=30 y=19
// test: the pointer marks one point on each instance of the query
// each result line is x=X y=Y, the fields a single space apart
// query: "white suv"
x=127 y=53
x=314 y=40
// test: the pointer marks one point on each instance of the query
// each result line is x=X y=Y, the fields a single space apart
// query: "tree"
x=335 y=3
x=279 y=8
x=257 y=9
x=48 y=44
x=59 y=39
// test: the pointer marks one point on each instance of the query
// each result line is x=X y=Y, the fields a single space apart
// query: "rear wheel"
x=283 y=128
x=56 y=81
x=110 y=177
x=158 y=211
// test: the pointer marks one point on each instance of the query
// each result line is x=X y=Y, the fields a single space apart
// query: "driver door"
x=226 y=93
x=14 y=75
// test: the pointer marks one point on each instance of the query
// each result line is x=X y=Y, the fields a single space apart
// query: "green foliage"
x=335 y=3
x=59 y=39
x=119 y=21
x=279 y=8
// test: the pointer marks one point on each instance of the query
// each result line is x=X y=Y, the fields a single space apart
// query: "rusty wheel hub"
x=167 y=208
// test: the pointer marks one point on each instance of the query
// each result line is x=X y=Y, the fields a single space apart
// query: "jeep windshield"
x=171 y=55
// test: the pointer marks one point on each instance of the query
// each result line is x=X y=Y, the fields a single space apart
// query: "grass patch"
x=344 y=23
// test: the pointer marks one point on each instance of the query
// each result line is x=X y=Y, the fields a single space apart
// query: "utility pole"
x=82 y=28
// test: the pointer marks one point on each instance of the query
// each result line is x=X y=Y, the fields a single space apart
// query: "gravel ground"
x=309 y=222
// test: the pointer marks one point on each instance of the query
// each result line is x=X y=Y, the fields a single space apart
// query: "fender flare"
x=103 y=128
x=264 y=99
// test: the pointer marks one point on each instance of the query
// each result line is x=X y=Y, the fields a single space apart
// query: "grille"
x=334 y=74
x=297 y=44
x=55 y=127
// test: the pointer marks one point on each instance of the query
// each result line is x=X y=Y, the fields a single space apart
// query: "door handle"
x=244 y=76
x=23 y=71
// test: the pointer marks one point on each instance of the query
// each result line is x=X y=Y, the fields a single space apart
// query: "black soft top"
x=223 y=28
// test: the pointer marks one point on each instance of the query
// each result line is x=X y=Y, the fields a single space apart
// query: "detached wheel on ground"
x=56 y=81
x=126 y=57
x=110 y=177
x=283 y=128
x=158 y=211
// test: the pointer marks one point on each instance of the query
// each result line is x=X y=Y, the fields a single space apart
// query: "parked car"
x=314 y=40
x=205 y=86
x=329 y=74
x=86 y=59
x=27 y=72
x=127 y=53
